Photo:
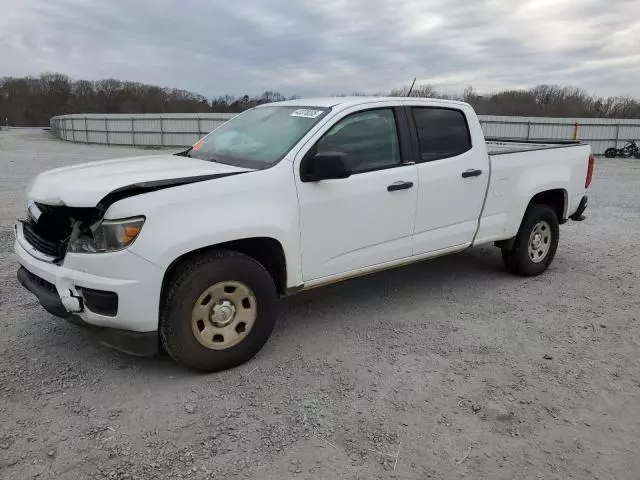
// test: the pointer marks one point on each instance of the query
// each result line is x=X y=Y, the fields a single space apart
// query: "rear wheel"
x=536 y=242
x=218 y=311
x=610 y=152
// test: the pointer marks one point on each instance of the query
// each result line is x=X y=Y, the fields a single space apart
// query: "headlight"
x=109 y=236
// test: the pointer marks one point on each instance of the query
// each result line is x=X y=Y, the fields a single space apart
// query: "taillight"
x=592 y=161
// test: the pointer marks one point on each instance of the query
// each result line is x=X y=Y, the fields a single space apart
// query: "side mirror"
x=325 y=166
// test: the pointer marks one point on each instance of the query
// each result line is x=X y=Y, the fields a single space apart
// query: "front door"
x=368 y=218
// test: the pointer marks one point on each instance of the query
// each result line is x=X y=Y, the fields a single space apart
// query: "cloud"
x=312 y=47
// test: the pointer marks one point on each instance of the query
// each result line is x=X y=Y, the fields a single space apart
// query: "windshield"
x=258 y=138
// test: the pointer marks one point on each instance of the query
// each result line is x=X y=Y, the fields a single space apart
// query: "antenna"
x=411 y=87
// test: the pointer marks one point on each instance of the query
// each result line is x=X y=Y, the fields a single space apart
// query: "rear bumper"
x=582 y=206
x=134 y=343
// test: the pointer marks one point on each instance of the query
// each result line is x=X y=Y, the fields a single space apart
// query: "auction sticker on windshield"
x=306 y=113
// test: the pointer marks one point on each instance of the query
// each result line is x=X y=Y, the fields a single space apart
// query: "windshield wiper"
x=212 y=159
x=185 y=153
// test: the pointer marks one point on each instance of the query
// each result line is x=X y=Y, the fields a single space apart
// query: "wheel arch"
x=555 y=198
x=267 y=251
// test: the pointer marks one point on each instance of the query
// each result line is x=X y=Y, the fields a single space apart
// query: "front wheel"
x=535 y=244
x=218 y=311
x=610 y=153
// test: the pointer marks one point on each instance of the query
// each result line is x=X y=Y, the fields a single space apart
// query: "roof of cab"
x=323 y=102
x=328 y=102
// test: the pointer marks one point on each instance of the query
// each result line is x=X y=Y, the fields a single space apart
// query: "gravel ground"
x=450 y=368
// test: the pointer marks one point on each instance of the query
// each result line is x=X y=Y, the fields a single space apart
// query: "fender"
x=531 y=183
x=202 y=214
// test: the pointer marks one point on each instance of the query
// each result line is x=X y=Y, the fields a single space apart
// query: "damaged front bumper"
x=82 y=288
x=127 y=341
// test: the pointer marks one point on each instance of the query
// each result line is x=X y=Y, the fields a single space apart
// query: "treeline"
x=32 y=101
x=552 y=101
x=540 y=101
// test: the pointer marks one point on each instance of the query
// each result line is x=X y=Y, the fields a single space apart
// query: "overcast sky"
x=317 y=47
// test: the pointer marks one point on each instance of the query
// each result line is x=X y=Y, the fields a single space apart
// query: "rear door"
x=367 y=219
x=453 y=175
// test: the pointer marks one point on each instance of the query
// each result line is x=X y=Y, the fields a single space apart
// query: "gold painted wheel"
x=223 y=315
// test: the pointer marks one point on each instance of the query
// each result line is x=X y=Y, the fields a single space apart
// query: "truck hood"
x=90 y=184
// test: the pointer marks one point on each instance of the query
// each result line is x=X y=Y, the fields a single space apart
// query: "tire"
x=610 y=153
x=218 y=311
x=636 y=155
x=539 y=220
x=507 y=259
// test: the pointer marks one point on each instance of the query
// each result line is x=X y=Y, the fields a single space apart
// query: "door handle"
x=472 y=172
x=401 y=185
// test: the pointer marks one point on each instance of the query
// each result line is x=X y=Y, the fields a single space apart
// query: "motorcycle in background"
x=630 y=148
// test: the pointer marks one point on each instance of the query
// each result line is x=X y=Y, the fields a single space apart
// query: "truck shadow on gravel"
x=427 y=277
x=397 y=292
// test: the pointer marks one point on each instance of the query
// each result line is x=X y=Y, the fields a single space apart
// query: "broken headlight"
x=107 y=236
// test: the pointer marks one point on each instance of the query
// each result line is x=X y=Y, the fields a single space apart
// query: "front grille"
x=48 y=247
x=49 y=234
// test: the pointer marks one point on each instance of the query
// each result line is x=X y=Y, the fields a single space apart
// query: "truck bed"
x=525 y=170
x=500 y=146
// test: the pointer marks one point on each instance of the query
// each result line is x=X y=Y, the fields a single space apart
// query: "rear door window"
x=442 y=132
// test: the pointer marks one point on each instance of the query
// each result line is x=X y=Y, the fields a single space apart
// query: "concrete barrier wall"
x=161 y=130
x=183 y=129
x=600 y=133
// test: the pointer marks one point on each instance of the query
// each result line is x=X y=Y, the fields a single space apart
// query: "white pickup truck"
x=189 y=252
